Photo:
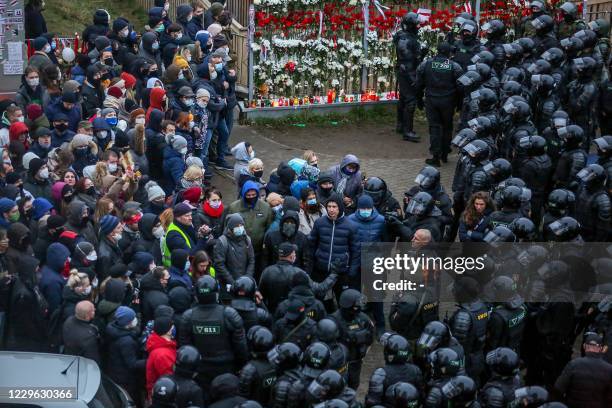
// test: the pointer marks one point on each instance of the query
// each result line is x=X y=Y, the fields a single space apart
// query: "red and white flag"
x=467 y=7
x=424 y=14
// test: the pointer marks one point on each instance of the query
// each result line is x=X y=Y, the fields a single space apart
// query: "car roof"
x=45 y=370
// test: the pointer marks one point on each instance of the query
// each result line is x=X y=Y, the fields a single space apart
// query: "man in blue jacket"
x=69 y=106
x=335 y=244
x=174 y=163
x=51 y=281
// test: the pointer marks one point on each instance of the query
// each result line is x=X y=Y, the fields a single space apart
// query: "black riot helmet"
x=537 y=7
x=463 y=137
x=511 y=197
x=543 y=24
x=207 y=290
x=260 y=340
x=316 y=359
x=524 y=229
x=328 y=385
x=604 y=146
x=511 y=88
x=249 y=404
x=445 y=362
x=484 y=56
x=498 y=169
x=188 y=358
x=460 y=391
x=601 y=27
x=410 y=22
x=533 y=145
x=402 y=395
x=572 y=45
x=503 y=361
x=530 y=397
x=554 y=56
x=504 y=290
x=569 y=9
x=593 y=176
x=285 y=356
x=396 y=348
x=244 y=287
x=498 y=235
x=481 y=125
x=571 y=136
x=560 y=201
x=477 y=150
x=527 y=44
x=428 y=178
x=585 y=66
x=483 y=69
x=164 y=391
x=518 y=110
x=513 y=74
x=554 y=273
x=559 y=119
x=434 y=335
x=376 y=188
x=469 y=79
x=487 y=99
x=469 y=30
x=544 y=84
x=564 y=229
x=351 y=299
x=422 y=204
x=554 y=404
x=328 y=331
x=588 y=37
x=512 y=53
x=494 y=29
x=540 y=66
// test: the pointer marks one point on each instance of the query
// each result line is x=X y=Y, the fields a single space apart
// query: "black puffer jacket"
x=273 y=239
x=152 y=294
x=585 y=382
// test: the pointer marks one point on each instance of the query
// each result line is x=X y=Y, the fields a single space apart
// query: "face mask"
x=181 y=75
x=219 y=67
x=45 y=145
x=94 y=284
x=47 y=49
x=68 y=198
x=277 y=209
x=134 y=323
x=192 y=124
x=160 y=29
x=152 y=266
x=87 y=291
x=112 y=167
x=238 y=231
x=140 y=121
x=158 y=232
x=252 y=154
x=187 y=266
x=188 y=58
x=33 y=82
x=312 y=201
x=189 y=18
x=189 y=102
x=365 y=213
x=92 y=257
x=117 y=237
x=289 y=229
x=214 y=204
x=213 y=75
x=179 y=36
x=61 y=127
x=112 y=121
x=108 y=61
x=14 y=217
x=202 y=104
x=252 y=200
x=183 y=151
x=124 y=33
x=102 y=134
x=44 y=173
x=155 y=45
x=91 y=191
x=167 y=6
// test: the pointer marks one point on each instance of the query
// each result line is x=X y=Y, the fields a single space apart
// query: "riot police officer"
x=437 y=78
x=401 y=395
x=289 y=387
x=411 y=311
x=383 y=199
x=601 y=27
x=243 y=291
x=258 y=376
x=428 y=180
x=185 y=368
x=328 y=333
x=520 y=125
x=604 y=157
x=525 y=194
x=485 y=128
x=524 y=229
x=301 y=290
x=469 y=324
x=595 y=210
x=560 y=203
x=356 y=331
x=421 y=213
x=475 y=177
x=486 y=103
x=216 y=331
x=460 y=392
x=445 y=364
x=330 y=385
x=544 y=33
x=408 y=52
x=468 y=46
x=547 y=101
x=437 y=335
x=316 y=359
x=164 y=393
x=573 y=157
x=295 y=326
x=559 y=119
x=507 y=319
x=556 y=58
x=498 y=171
x=397 y=368
x=582 y=97
x=538 y=8
x=498 y=392
x=564 y=229
x=495 y=31
x=570 y=23
x=529 y=397
x=535 y=168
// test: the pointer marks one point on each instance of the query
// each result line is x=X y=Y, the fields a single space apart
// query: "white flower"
x=335 y=82
x=317 y=84
x=255 y=47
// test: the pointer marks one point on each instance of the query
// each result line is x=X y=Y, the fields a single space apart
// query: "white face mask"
x=191 y=124
x=21 y=119
x=179 y=36
x=190 y=18
x=117 y=237
x=94 y=283
x=87 y=291
x=188 y=58
x=47 y=49
x=33 y=82
x=158 y=232
x=181 y=75
x=213 y=75
x=124 y=33
x=187 y=266
x=102 y=134
x=44 y=173
x=112 y=167
x=152 y=266
x=140 y=121
x=252 y=154
x=202 y=104
x=183 y=151
x=134 y=323
x=92 y=257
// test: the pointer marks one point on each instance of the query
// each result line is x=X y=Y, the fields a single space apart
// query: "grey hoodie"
x=233 y=256
x=242 y=159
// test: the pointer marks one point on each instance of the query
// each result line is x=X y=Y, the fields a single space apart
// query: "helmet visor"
x=415 y=208
x=585 y=175
x=559 y=122
x=317 y=390
x=424 y=181
x=428 y=341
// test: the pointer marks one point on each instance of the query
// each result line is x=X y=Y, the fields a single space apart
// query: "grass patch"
x=360 y=115
x=65 y=17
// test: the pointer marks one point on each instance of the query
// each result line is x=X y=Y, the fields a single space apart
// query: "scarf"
x=213 y=212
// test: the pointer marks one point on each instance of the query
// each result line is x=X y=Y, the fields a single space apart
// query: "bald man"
x=422 y=237
x=81 y=338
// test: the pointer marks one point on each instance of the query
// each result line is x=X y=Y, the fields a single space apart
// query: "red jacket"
x=162 y=355
x=156 y=101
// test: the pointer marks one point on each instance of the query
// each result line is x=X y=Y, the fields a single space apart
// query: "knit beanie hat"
x=108 y=223
x=130 y=80
x=27 y=158
x=154 y=191
x=136 y=112
x=71 y=86
x=181 y=209
x=124 y=316
x=6 y=204
x=365 y=201
x=34 y=111
x=115 y=91
x=80 y=140
x=40 y=43
x=178 y=143
x=162 y=325
x=55 y=221
x=202 y=93
x=35 y=165
x=12 y=177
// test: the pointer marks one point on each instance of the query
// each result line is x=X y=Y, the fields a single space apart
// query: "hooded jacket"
x=257 y=218
x=114 y=294
x=233 y=256
x=242 y=158
x=26 y=95
x=122 y=360
x=352 y=187
x=273 y=240
x=334 y=242
x=173 y=167
x=75 y=222
x=156 y=102
x=147 y=241
x=161 y=359
x=51 y=281
x=155 y=144
x=369 y=229
x=146 y=48
x=153 y=294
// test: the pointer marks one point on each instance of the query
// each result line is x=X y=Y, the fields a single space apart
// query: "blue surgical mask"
x=173 y=332
x=187 y=266
x=238 y=231
x=219 y=67
x=112 y=121
x=278 y=208
x=365 y=213
x=312 y=201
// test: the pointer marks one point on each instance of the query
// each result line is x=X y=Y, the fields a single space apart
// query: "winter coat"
x=313 y=307
x=152 y=294
x=173 y=168
x=81 y=339
x=474 y=233
x=122 y=361
x=369 y=229
x=156 y=144
x=109 y=254
x=307 y=219
x=233 y=256
x=353 y=186
x=74 y=114
x=51 y=281
x=256 y=218
x=69 y=301
x=26 y=95
x=38 y=188
x=241 y=157
x=273 y=240
x=74 y=222
x=161 y=359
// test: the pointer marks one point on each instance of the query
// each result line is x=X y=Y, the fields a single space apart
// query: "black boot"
x=434 y=161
